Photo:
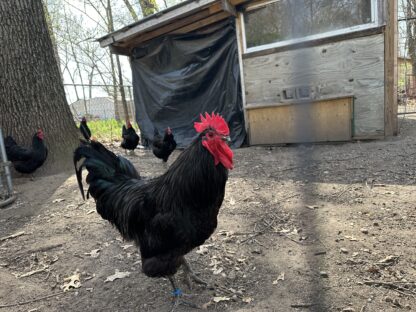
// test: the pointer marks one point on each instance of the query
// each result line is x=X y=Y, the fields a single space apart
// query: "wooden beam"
x=390 y=70
x=155 y=21
x=228 y=7
x=237 y=2
x=202 y=23
x=240 y=49
x=119 y=50
x=172 y=26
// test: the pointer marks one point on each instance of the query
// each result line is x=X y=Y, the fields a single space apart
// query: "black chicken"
x=163 y=147
x=167 y=216
x=27 y=160
x=85 y=130
x=130 y=138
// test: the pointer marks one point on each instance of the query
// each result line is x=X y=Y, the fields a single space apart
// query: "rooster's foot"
x=179 y=301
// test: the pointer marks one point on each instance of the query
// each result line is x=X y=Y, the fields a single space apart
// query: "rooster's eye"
x=210 y=134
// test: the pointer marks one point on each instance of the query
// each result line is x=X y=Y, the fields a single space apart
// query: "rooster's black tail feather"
x=103 y=166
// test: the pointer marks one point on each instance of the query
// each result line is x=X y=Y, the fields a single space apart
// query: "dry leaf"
x=313 y=207
x=72 y=282
x=126 y=246
x=117 y=275
x=58 y=200
x=281 y=277
x=218 y=271
x=248 y=299
x=202 y=249
x=219 y=299
x=93 y=253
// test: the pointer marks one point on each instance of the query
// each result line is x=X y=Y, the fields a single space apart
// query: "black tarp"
x=177 y=77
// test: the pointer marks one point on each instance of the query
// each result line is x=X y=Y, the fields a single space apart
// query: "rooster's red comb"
x=213 y=121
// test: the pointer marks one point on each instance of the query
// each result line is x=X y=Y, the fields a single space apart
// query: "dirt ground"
x=326 y=227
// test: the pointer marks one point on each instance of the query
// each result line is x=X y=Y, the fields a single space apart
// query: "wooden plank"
x=351 y=67
x=321 y=121
x=202 y=23
x=179 y=23
x=155 y=21
x=240 y=47
x=390 y=48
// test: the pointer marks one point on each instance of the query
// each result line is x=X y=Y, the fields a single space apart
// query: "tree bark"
x=31 y=90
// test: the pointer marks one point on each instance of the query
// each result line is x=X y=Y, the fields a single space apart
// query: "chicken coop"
x=279 y=71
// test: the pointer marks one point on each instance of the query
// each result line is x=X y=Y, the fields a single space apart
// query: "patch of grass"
x=106 y=130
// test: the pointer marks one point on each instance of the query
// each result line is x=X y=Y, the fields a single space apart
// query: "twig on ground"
x=12 y=236
x=29 y=301
x=303 y=305
x=32 y=272
x=252 y=236
x=394 y=286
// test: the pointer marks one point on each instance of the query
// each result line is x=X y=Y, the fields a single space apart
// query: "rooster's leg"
x=177 y=296
x=190 y=274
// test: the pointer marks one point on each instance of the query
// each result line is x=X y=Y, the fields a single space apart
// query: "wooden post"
x=390 y=70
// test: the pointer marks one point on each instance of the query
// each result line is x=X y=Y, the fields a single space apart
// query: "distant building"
x=97 y=108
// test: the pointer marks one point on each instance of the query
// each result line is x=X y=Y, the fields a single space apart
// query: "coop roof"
x=179 y=19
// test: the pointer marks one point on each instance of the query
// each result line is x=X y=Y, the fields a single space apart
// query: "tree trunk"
x=131 y=10
x=31 y=93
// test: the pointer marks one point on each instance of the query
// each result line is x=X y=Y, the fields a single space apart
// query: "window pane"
x=293 y=19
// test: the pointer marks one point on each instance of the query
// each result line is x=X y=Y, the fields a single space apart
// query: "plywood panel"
x=352 y=67
x=320 y=121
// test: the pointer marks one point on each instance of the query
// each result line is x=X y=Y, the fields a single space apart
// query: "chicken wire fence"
x=406 y=88
x=100 y=102
x=6 y=186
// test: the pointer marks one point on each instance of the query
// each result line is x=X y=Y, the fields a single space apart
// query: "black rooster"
x=27 y=160
x=83 y=127
x=170 y=215
x=163 y=147
x=130 y=138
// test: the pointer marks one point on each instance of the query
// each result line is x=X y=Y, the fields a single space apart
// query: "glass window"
x=294 y=19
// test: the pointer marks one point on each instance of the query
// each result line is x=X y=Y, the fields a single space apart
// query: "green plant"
x=106 y=130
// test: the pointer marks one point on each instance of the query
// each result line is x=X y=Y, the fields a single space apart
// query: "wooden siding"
x=321 y=121
x=352 y=67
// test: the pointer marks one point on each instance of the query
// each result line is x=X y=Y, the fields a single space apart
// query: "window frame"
x=347 y=30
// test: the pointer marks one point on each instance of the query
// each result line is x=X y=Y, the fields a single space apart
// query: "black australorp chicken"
x=27 y=160
x=163 y=147
x=83 y=127
x=170 y=215
x=130 y=138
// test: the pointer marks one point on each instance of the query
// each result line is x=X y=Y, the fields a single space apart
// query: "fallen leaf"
x=218 y=271
x=219 y=299
x=72 y=282
x=58 y=200
x=281 y=277
x=312 y=207
x=202 y=250
x=93 y=253
x=248 y=299
x=126 y=246
x=117 y=275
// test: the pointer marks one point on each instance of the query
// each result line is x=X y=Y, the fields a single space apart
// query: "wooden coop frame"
x=359 y=96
